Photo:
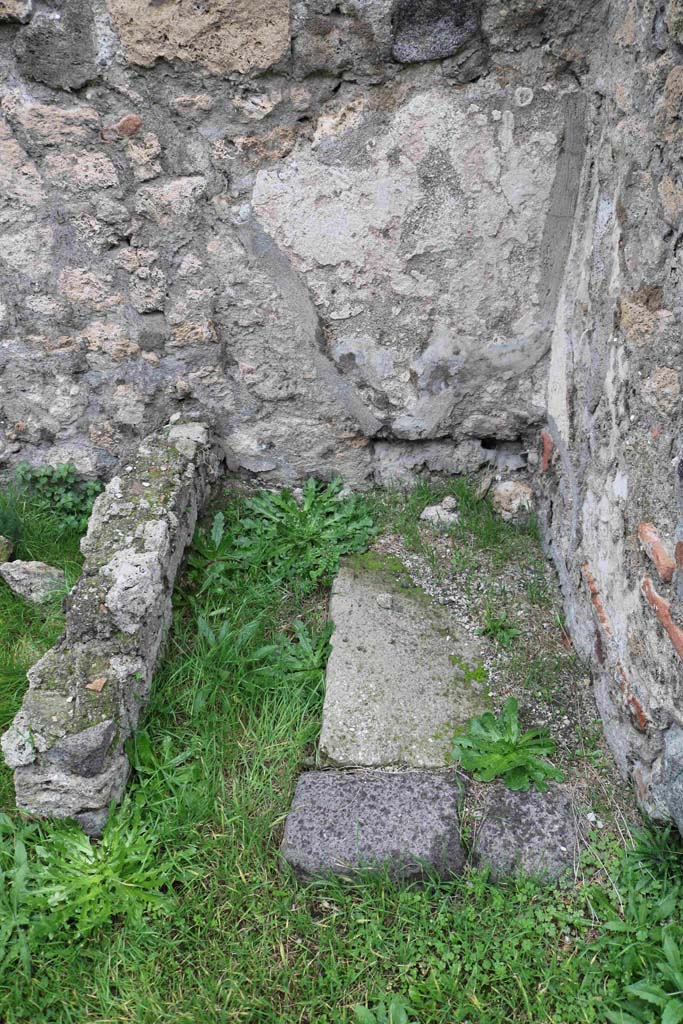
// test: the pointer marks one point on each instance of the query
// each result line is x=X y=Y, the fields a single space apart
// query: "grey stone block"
x=404 y=822
x=527 y=833
x=395 y=687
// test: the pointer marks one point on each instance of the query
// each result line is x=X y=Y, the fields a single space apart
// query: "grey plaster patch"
x=404 y=822
x=34 y=581
x=527 y=833
x=395 y=688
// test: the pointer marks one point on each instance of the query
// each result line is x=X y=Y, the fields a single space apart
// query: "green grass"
x=227 y=934
x=27 y=631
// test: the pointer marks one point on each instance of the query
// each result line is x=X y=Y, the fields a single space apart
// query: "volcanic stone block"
x=527 y=833
x=58 y=47
x=404 y=822
x=433 y=29
x=397 y=685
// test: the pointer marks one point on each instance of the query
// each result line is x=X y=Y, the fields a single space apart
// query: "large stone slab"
x=396 y=686
x=402 y=822
x=527 y=833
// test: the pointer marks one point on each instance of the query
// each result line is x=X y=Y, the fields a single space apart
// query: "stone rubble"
x=6 y=549
x=444 y=514
x=34 y=581
x=513 y=500
x=86 y=695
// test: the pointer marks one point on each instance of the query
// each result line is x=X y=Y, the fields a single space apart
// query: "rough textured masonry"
x=372 y=237
x=85 y=695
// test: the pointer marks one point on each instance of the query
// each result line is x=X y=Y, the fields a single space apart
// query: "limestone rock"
x=395 y=689
x=443 y=515
x=224 y=36
x=404 y=822
x=15 y=10
x=34 y=581
x=6 y=548
x=512 y=499
x=526 y=833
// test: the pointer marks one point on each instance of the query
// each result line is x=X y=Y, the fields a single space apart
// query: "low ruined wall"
x=85 y=696
x=611 y=460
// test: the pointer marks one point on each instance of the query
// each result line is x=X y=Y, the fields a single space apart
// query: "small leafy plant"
x=657 y=998
x=493 y=748
x=16 y=918
x=397 y=1011
x=60 y=489
x=87 y=884
x=305 y=538
x=499 y=627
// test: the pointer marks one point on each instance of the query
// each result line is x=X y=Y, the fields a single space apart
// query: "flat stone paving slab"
x=527 y=833
x=396 y=686
x=404 y=822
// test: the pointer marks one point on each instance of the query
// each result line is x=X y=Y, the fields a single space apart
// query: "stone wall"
x=337 y=231
x=371 y=238
x=612 y=457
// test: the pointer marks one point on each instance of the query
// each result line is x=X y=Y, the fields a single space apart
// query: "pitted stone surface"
x=34 y=581
x=395 y=689
x=403 y=822
x=433 y=29
x=222 y=36
x=527 y=833
x=66 y=744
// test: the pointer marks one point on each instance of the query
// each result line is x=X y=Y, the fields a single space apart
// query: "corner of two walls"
x=348 y=250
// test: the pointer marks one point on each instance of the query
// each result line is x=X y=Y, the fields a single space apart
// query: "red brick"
x=596 y=599
x=662 y=609
x=656 y=552
x=548 y=449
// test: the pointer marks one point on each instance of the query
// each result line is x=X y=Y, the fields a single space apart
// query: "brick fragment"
x=662 y=608
x=123 y=129
x=656 y=552
x=640 y=717
x=547 y=451
x=596 y=600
